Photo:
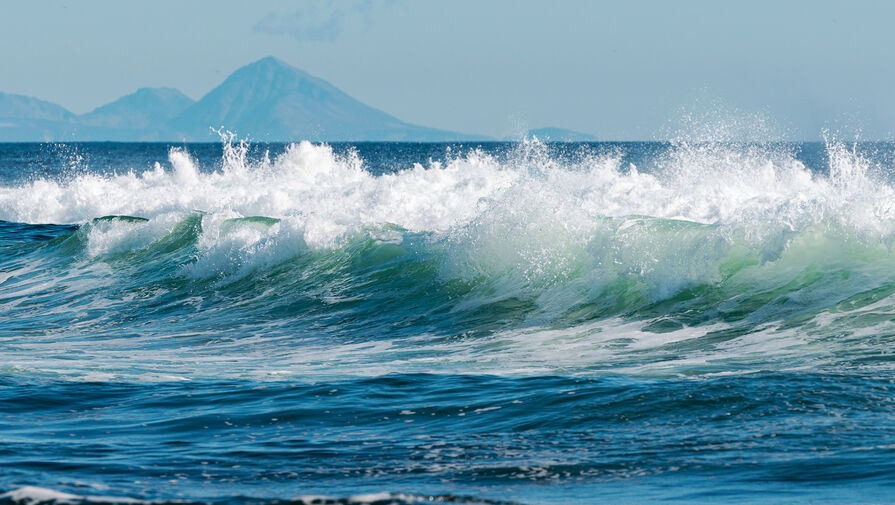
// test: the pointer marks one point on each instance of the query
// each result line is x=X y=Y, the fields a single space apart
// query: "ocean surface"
x=530 y=323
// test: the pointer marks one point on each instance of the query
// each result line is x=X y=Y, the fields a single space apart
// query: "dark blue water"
x=406 y=323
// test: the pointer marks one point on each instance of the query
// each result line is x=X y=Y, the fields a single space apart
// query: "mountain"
x=553 y=134
x=24 y=118
x=146 y=108
x=270 y=100
x=267 y=100
x=25 y=107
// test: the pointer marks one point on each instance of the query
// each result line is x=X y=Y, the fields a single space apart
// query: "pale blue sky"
x=620 y=70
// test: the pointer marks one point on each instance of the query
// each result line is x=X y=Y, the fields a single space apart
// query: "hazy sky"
x=620 y=70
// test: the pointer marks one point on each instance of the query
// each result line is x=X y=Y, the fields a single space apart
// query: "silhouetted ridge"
x=267 y=100
x=271 y=100
x=25 y=107
x=145 y=108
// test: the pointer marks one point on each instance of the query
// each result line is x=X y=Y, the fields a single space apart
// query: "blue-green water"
x=404 y=323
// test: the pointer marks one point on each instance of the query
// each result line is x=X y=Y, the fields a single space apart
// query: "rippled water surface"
x=406 y=323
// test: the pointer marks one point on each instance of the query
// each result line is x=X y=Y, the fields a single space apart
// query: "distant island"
x=267 y=101
x=553 y=134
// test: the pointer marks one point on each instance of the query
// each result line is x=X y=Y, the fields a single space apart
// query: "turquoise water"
x=404 y=323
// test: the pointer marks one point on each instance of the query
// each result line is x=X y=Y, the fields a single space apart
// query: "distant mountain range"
x=267 y=100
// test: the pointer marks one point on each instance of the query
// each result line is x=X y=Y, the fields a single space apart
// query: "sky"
x=625 y=70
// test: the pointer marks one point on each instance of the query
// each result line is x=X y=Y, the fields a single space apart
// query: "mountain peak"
x=143 y=108
x=269 y=66
x=163 y=90
x=269 y=61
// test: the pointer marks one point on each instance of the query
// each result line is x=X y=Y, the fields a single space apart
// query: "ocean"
x=400 y=323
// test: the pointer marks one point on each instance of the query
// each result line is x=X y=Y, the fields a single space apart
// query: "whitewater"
x=404 y=323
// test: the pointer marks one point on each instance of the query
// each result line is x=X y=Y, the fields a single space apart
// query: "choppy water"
x=526 y=323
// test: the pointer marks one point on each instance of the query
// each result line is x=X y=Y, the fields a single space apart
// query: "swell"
x=633 y=266
x=437 y=434
x=720 y=257
x=392 y=298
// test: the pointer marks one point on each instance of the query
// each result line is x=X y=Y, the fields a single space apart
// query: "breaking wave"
x=714 y=257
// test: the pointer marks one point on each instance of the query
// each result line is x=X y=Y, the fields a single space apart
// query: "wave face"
x=210 y=323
